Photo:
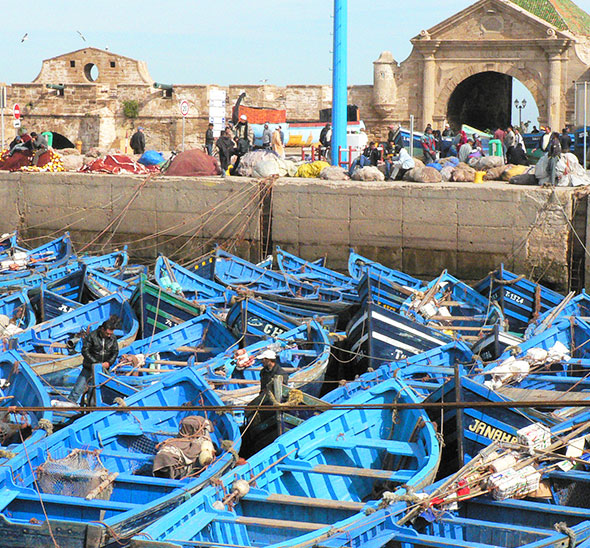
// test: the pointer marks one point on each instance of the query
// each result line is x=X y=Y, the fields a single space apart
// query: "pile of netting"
x=79 y=474
x=21 y=161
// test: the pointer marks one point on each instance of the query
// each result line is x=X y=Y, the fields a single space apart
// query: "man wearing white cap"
x=270 y=370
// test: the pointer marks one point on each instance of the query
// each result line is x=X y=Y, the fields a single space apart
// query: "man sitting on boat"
x=99 y=346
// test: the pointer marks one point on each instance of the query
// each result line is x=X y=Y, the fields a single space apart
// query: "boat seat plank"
x=316 y=502
x=149 y=480
x=393 y=475
x=497 y=526
x=280 y=523
x=402 y=448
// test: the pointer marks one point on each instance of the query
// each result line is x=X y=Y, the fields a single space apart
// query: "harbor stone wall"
x=418 y=228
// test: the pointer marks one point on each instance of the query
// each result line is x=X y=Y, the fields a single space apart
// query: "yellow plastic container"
x=479 y=176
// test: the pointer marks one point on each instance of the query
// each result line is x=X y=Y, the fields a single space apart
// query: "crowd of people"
x=236 y=141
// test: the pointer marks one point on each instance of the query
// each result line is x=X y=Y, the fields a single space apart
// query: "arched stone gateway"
x=544 y=44
x=484 y=100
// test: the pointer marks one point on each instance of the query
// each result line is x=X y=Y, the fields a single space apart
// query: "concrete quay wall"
x=418 y=228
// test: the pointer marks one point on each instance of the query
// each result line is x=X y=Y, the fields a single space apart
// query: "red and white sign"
x=184 y=107
x=16 y=111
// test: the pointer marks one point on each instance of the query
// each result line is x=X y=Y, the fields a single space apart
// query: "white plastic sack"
x=536 y=355
x=558 y=352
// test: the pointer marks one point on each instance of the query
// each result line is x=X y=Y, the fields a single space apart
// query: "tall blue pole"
x=339 y=78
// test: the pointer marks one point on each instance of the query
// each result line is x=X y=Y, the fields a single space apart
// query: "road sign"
x=16 y=111
x=16 y=123
x=184 y=107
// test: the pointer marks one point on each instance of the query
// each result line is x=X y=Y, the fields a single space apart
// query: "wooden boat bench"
x=312 y=502
x=402 y=448
x=400 y=476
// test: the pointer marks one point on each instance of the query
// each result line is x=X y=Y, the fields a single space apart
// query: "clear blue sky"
x=222 y=42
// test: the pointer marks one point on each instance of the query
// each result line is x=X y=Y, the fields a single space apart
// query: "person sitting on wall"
x=465 y=150
x=429 y=146
x=137 y=141
x=40 y=147
x=21 y=143
x=399 y=165
x=369 y=157
x=517 y=155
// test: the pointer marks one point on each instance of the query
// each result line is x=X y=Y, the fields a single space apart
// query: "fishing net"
x=79 y=474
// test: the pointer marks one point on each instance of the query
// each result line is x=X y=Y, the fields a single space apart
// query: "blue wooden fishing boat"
x=303 y=352
x=17 y=261
x=113 y=263
x=383 y=291
x=92 y=483
x=312 y=271
x=239 y=273
x=189 y=285
x=521 y=300
x=310 y=478
x=449 y=304
x=144 y=361
x=377 y=335
x=8 y=240
x=158 y=309
x=479 y=522
x=18 y=313
x=571 y=306
x=253 y=320
x=358 y=266
x=56 y=344
x=99 y=284
x=422 y=373
x=32 y=279
x=200 y=338
x=21 y=387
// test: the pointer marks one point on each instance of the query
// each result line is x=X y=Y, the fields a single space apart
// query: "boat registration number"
x=514 y=297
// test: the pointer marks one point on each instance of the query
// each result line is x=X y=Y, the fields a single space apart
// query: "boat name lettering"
x=487 y=431
x=273 y=330
x=255 y=322
x=514 y=297
x=65 y=308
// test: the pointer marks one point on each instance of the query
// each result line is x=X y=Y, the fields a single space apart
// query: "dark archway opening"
x=483 y=101
x=59 y=141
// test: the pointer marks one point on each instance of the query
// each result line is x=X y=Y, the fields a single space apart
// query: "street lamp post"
x=520 y=105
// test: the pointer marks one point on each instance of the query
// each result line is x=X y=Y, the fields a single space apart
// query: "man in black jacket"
x=226 y=146
x=99 y=346
x=137 y=141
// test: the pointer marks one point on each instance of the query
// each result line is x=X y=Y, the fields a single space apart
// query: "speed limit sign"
x=184 y=107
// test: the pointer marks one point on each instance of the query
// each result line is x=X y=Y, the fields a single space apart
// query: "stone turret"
x=384 y=85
